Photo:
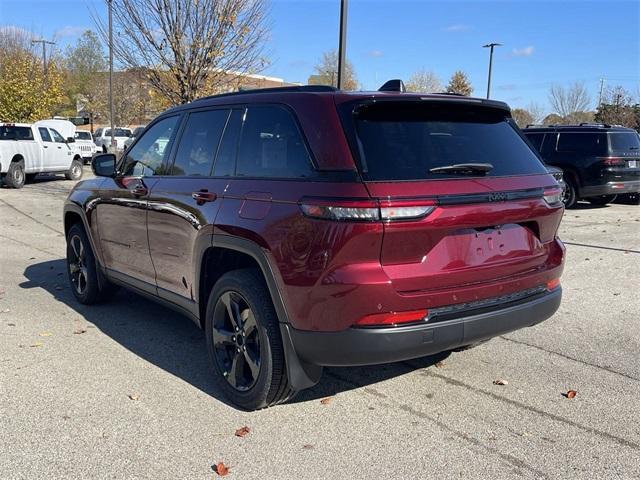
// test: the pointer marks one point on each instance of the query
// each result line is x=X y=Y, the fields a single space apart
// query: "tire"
x=15 y=176
x=248 y=368
x=104 y=149
x=75 y=170
x=570 y=194
x=83 y=271
x=602 y=200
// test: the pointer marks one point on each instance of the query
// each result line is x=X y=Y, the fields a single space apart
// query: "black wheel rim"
x=77 y=264
x=567 y=194
x=236 y=342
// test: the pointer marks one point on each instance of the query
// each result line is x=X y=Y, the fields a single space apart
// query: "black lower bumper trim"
x=370 y=346
x=611 y=188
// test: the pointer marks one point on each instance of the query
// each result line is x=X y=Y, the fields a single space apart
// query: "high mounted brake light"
x=366 y=210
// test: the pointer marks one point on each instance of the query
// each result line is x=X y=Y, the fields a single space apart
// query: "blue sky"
x=544 y=42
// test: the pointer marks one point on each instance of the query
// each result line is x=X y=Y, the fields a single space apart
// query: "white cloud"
x=70 y=31
x=376 y=53
x=523 y=52
x=458 y=27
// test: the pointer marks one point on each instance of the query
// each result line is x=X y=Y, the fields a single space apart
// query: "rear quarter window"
x=586 y=143
x=15 y=133
x=404 y=140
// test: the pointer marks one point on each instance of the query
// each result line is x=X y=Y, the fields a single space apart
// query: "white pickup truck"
x=26 y=150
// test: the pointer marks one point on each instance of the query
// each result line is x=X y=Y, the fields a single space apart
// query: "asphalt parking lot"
x=123 y=390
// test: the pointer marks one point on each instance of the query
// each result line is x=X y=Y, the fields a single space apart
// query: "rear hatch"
x=623 y=161
x=477 y=189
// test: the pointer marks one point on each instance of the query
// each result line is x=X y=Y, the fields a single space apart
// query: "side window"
x=56 y=136
x=536 y=140
x=97 y=134
x=271 y=145
x=199 y=143
x=149 y=153
x=225 y=165
x=586 y=143
x=44 y=134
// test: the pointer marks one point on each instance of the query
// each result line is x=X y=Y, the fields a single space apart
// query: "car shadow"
x=174 y=343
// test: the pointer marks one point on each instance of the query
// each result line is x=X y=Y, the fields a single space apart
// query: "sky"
x=544 y=43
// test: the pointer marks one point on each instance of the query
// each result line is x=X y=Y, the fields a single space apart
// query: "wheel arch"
x=17 y=158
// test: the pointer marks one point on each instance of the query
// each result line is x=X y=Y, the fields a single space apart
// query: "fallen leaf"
x=221 y=469
x=45 y=334
x=133 y=396
x=79 y=331
x=500 y=381
x=6 y=310
x=307 y=446
x=439 y=364
x=241 y=432
x=570 y=394
x=11 y=324
x=326 y=401
x=37 y=344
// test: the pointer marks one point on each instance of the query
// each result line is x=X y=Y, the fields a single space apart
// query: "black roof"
x=583 y=127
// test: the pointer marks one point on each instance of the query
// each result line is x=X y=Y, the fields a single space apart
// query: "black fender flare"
x=301 y=374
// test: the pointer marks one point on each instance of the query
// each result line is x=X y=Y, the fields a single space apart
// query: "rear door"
x=447 y=228
x=183 y=205
x=623 y=161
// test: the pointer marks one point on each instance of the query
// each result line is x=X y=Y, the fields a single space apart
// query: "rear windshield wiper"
x=463 y=168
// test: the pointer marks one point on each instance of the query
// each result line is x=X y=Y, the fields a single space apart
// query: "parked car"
x=135 y=134
x=598 y=161
x=84 y=143
x=26 y=150
x=102 y=138
x=304 y=227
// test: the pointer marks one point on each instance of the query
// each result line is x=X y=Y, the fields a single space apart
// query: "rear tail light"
x=366 y=211
x=613 y=161
x=392 y=318
x=553 y=196
x=553 y=284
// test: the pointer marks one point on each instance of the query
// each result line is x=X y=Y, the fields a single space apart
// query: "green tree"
x=618 y=108
x=326 y=72
x=460 y=84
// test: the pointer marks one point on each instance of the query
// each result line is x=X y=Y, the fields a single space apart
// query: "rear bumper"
x=610 y=188
x=370 y=346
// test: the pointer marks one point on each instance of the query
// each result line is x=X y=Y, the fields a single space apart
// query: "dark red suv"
x=305 y=226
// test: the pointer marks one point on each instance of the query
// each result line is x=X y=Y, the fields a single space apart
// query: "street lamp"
x=490 y=46
x=111 y=70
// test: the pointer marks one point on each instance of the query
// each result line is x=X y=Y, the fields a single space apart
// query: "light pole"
x=111 y=70
x=342 y=42
x=490 y=46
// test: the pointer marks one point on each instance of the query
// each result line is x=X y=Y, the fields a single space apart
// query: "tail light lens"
x=366 y=210
x=553 y=284
x=392 y=318
x=553 y=196
x=613 y=161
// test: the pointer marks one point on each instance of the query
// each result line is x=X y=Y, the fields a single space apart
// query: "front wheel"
x=244 y=343
x=75 y=170
x=602 y=200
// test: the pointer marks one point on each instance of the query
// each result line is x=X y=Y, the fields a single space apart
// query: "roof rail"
x=538 y=125
x=293 y=88
x=593 y=124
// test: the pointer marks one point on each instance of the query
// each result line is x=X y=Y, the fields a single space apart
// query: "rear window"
x=118 y=132
x=624 y=141
x=83 y=135
x=586 y=143
x=403 y=141
x=15 y=133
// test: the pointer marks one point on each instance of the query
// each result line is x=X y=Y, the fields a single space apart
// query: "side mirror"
x=71 y=140
x=104 y=165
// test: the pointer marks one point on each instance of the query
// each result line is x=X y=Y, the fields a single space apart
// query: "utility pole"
x=111 y=72
x=44 y=44
x=342 y=43
x=491 y=47
x=600 y=95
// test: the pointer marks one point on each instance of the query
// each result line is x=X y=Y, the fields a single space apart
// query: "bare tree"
x=537 y=112
x=567 y=101
x=522 y=117
x=189 y=48
x=424 y=81
x=326 y=72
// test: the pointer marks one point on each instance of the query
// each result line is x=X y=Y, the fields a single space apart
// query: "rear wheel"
x=570 y=194
x=82 y=269
x=244 y=342
x=602 y=200
x=15 y=176
x=75 y=170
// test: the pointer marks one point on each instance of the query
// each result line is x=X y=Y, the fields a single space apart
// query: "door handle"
x=45 y=146
x=203 y=196
x=139 y=190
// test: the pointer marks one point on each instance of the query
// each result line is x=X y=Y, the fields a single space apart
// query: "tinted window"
x=226 y=160
x=149 y=153
x=404 y=141
x=536 y=140
x=15 y=133
x=582 y=142
x=624 y=141
x=137 y=132
x=82 y=135
x=199 y=143
x=271 y=145
x=118 y=132
x=44 y=134
x=56 y=136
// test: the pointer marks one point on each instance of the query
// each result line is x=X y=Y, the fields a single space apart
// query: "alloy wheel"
x=236 y=341
x=77 y=265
